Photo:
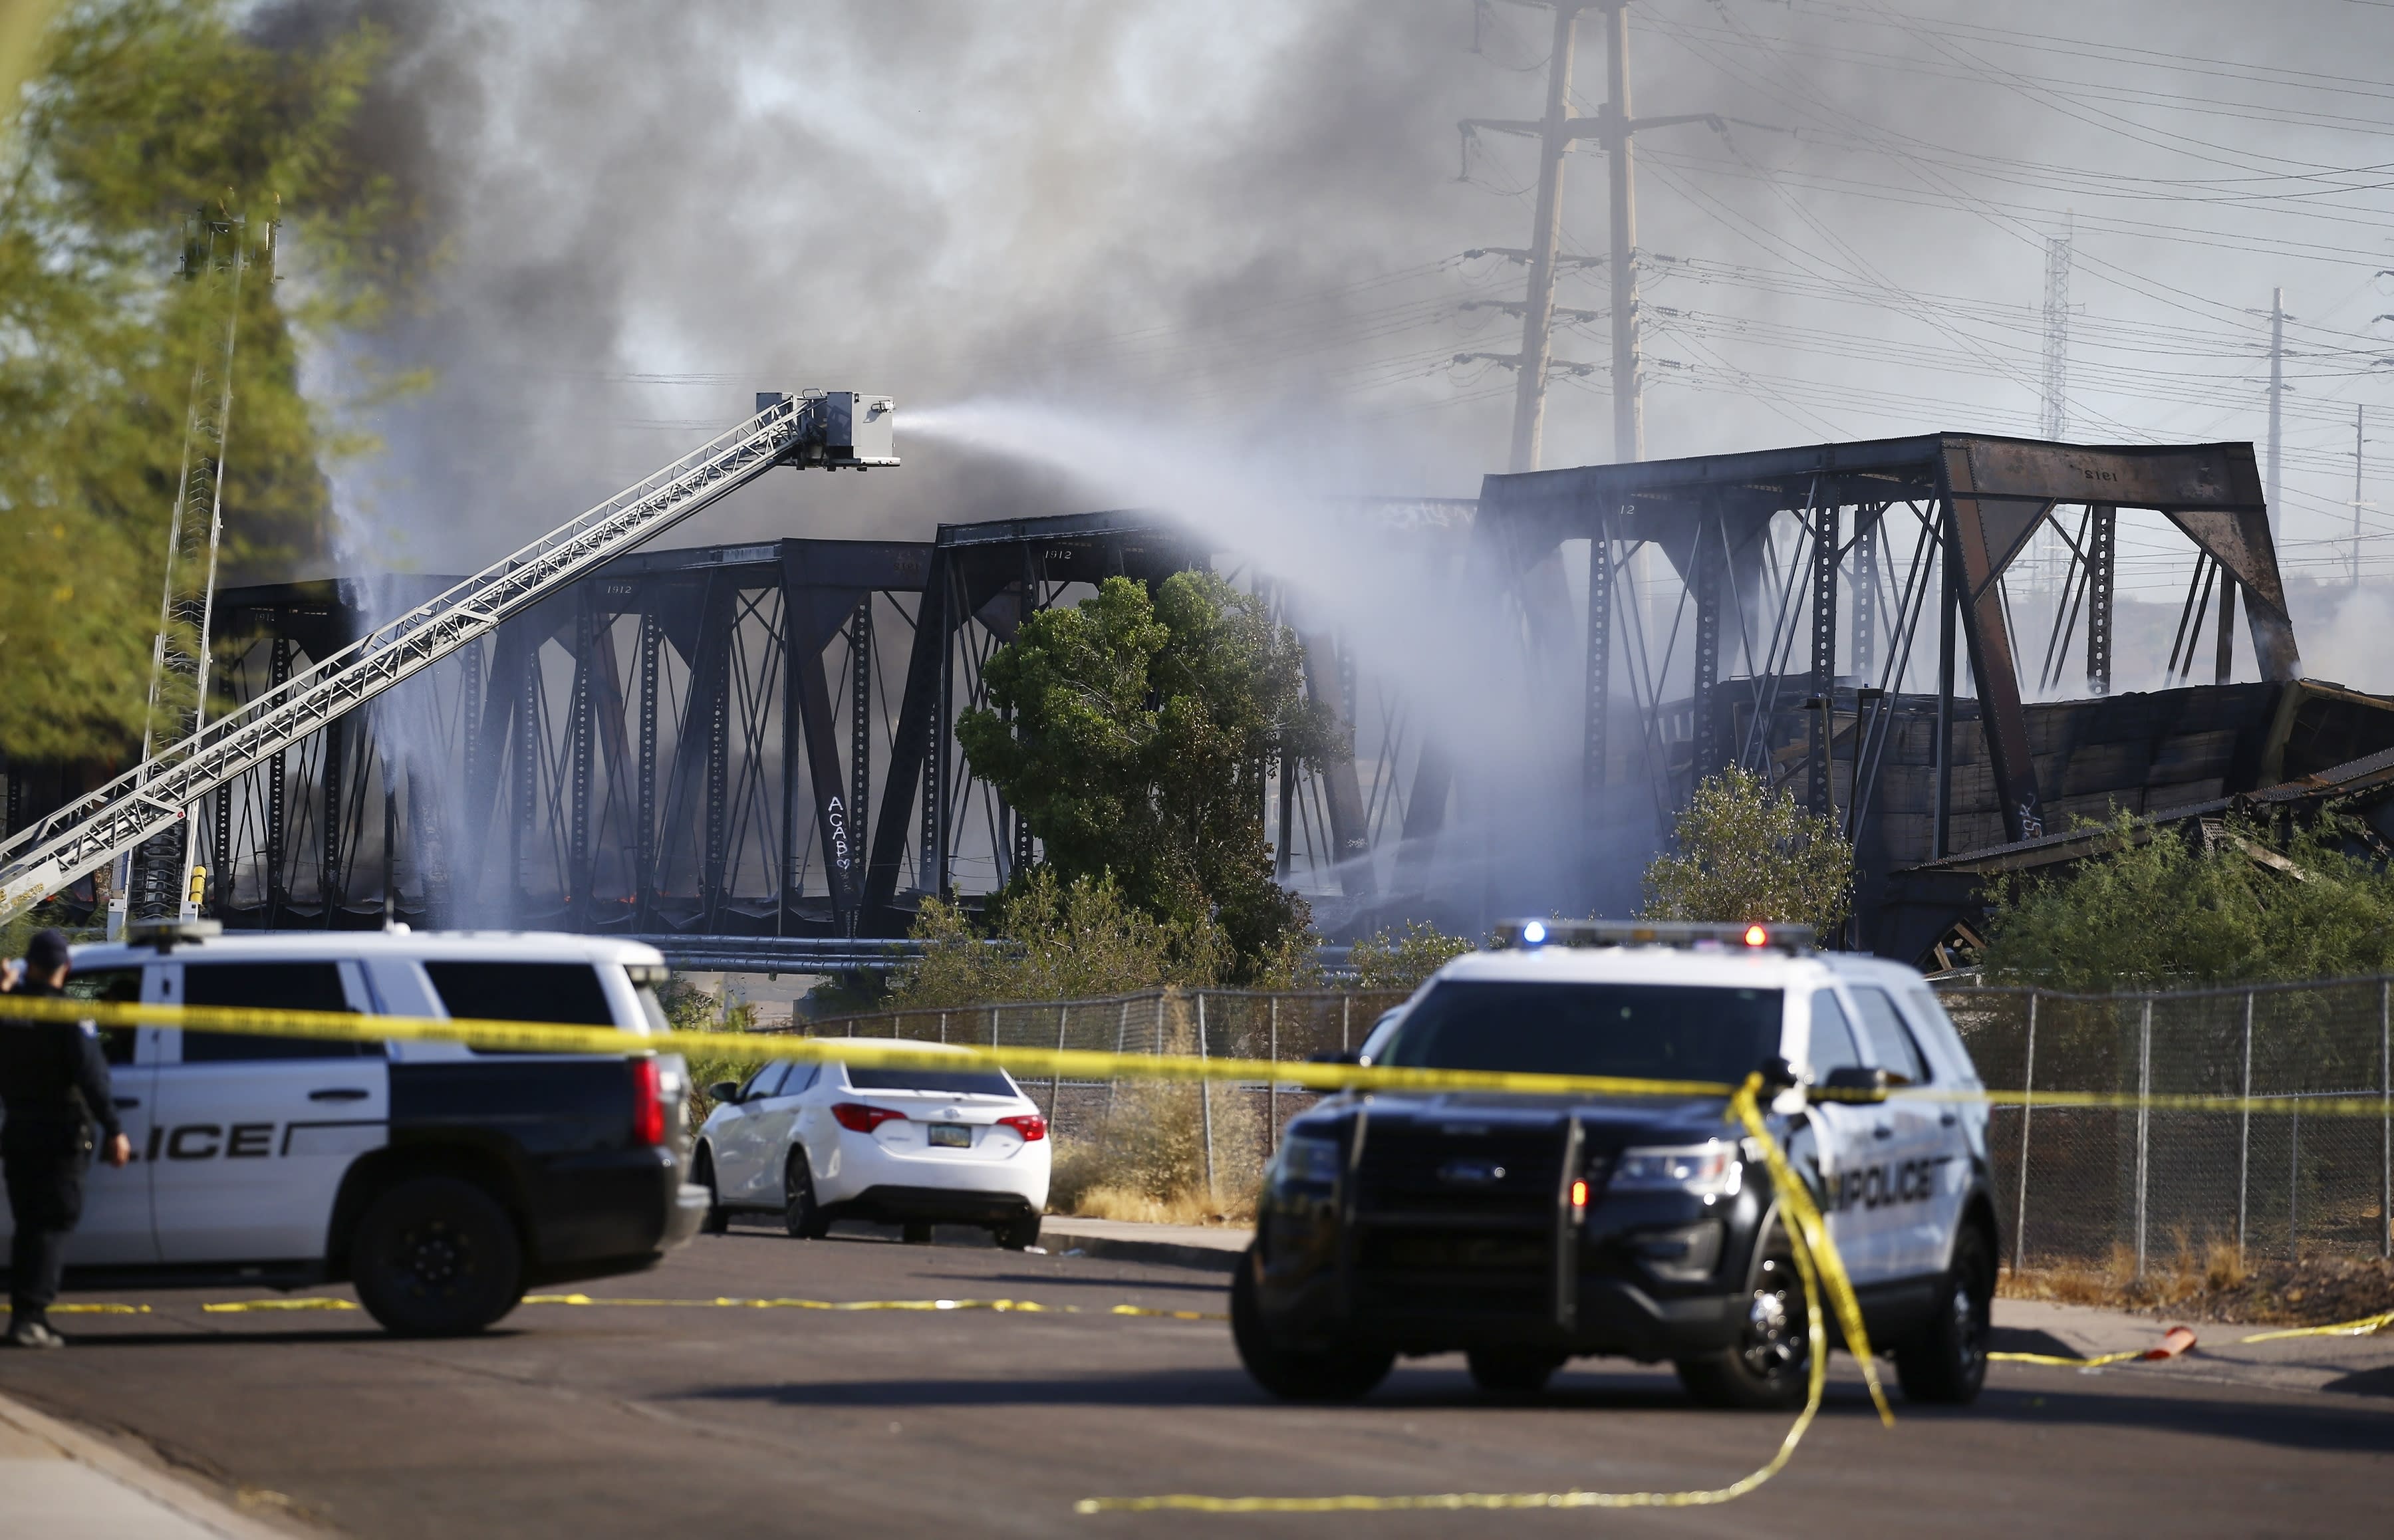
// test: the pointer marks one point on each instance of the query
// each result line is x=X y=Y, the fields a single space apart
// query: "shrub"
x=2224 y=903
x=1747 y=852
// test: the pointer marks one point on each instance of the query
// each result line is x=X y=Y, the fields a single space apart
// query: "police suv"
x=443 y=1181
x=1526 y=1231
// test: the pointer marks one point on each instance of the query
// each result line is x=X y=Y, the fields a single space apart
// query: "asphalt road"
x=570 y=1421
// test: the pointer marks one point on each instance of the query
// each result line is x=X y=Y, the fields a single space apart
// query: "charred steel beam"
x=328 y=874
x=1819 y=789
x=1864 y=646
x=582 y=752
x=908 y=779
x=278 y=673
x=1594 y=746
x=644 y=813
x=711 y=705
x=1342 y=789
x=1711 y=554
x=1981 y=536
x=860 y=736
x=813 y=618
x=525 y=813
x=2102 y=525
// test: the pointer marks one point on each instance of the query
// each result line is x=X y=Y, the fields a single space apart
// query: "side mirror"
x=725 y=1090
x=1336 y=1055
x=1871 y=1084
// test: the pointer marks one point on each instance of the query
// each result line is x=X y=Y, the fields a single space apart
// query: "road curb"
x=1107 y=1239
x=183 y=1499
x=1175 y=1254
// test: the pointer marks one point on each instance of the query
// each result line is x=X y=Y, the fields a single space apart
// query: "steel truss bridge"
x=744 y=742
x=748 y=750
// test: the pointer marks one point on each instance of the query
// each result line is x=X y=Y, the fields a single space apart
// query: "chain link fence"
x=2086 y=1184
x=2076 y=1184
x=1158 y=1139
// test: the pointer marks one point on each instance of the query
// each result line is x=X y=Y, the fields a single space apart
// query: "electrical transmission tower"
x=1612 y=128
x=159 y=880
x=2056 y=336
x=2052 y=567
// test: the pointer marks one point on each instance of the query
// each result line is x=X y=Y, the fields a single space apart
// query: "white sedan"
x=911 y=1146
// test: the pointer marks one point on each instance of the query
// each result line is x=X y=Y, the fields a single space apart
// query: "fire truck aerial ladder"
x=832 y=429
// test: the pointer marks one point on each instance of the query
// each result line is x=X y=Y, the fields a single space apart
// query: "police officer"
x=53 y=1087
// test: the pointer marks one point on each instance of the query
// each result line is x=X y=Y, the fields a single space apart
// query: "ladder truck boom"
x=833 y=429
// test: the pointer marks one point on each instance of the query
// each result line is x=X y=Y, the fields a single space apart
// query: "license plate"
x=955 y=1135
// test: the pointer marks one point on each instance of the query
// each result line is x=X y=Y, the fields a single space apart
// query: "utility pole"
x=1613 y=128
x=1545 y=245
x=2277 y=396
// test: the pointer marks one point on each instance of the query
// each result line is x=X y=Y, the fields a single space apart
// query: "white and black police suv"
x=441 y=1180
x=1525 y=1231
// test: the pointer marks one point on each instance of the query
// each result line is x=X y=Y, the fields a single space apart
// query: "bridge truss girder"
x=1809 y=572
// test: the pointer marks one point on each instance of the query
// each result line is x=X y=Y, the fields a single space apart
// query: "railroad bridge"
x=749 y=748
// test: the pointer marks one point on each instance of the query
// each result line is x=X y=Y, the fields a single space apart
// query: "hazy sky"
x=1242 y=223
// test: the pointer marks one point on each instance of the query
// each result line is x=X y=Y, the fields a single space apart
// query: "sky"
x=1246 y=226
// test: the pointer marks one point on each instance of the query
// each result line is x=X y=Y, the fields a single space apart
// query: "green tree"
x=1057 y=941
x=144 y=111
x=1743 y=851
x=2231 y=903
x=1382 y=962
x=1133 y=733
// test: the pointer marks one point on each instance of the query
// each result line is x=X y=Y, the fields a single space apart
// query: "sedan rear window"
x=952 y=1082
x=1661 y=1032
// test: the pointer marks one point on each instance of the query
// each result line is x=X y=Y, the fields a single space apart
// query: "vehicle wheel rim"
x=1970 y=1329
x=435 y=1256
x=1773 y=1344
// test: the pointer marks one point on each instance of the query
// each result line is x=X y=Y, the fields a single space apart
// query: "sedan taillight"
x=648 y=1103
x=857 y=1118
x=1030 y=1126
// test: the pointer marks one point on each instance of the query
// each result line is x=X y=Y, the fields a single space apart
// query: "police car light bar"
x=1690 y=935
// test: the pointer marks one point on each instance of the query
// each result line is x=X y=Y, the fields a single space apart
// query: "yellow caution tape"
x=1068 y=1063
x=1816 y=1261
x=323 y=1302
x=2366 y=1326
x=89 y=1309
x=2061 y=1362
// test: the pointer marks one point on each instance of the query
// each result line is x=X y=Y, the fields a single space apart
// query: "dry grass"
x=1147 y=1160
x=2188 y=1272
x=2209 y=1280
x=1185 y=1207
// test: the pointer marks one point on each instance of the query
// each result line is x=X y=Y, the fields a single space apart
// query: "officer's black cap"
x=46 y=952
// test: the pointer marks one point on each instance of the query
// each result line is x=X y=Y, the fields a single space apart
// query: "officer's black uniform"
x=54 y=1086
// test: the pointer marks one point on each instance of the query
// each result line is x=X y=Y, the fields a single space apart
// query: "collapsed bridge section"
x=1805 y=614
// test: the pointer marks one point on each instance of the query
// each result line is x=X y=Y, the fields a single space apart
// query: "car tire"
x=718 y=1218
x=1768 y=1367
x=436 y=1257
x=1341 y=1373
x=1512 y=1371
x=800 y=1213
x=915 y=1233
x=1947 y=1362
x=1020 y=1234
